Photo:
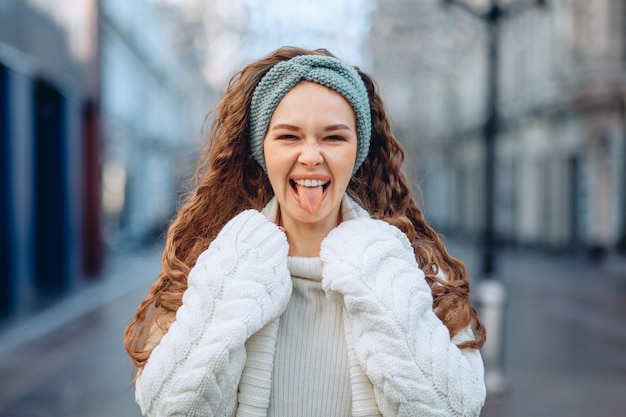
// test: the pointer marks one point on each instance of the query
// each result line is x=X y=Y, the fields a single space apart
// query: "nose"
x=311 y=155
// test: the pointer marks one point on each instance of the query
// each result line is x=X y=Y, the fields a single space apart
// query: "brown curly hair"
x=229 y=181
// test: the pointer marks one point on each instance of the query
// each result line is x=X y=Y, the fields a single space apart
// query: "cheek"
x=275 y=172
x=345 y=164
x=270 y=160
x=272 y=177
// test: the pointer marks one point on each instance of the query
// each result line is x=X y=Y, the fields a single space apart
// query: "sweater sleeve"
x=403 y=347
x=239 y=284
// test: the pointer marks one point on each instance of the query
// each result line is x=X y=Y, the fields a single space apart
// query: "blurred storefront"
x=49 y=88
x=100 y=104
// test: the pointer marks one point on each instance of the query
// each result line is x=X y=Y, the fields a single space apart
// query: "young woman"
x=300 y=278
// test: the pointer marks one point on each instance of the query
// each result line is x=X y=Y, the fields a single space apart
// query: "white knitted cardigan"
x=217 y=357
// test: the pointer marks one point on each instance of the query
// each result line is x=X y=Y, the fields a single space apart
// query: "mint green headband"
x=327 y=71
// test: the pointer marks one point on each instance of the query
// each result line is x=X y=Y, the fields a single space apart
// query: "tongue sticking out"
x=311 y=198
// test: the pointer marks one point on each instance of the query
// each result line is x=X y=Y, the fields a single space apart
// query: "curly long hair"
x=229 y=180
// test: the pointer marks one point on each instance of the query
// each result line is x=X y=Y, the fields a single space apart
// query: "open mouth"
x=309 y=193
x=308 y=183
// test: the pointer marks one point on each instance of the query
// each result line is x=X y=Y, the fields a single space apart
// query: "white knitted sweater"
x=208 y=362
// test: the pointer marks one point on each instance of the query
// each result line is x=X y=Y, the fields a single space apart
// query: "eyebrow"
x=285 y=126
x=339 y=126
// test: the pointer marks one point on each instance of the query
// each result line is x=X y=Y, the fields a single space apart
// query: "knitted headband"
x=327 y=71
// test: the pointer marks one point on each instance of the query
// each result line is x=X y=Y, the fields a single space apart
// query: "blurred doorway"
x=51 y=225
x=6 y=212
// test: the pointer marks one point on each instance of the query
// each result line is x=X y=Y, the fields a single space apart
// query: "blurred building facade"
x=49 y=87
x=154 y=99
x=100 y=102
x=561 y=149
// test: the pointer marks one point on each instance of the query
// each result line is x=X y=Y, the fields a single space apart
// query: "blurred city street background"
x=512 y=114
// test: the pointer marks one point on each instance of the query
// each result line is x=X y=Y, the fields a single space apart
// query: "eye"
x=336 y=138
x=287 y=137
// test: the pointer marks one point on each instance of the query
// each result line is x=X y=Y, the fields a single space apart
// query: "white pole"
x=491 y=297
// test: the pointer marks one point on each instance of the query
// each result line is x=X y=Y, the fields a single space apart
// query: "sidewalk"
x=565 y=334
x=68 y=360
x=117 y=280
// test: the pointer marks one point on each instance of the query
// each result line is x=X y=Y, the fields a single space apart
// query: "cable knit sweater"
x=217 y=357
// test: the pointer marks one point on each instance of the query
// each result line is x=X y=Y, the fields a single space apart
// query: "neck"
x=305 y=239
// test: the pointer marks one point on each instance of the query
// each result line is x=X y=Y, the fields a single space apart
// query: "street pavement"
x=564 y=345
x=69 y=360
x=565 y=334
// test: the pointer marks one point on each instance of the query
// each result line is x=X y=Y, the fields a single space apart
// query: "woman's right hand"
x=238 y=285
x=251 y=253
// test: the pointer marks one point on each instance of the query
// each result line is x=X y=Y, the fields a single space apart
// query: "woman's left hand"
x=362 y=256
x=405 y=350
